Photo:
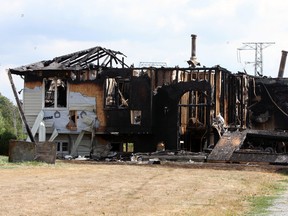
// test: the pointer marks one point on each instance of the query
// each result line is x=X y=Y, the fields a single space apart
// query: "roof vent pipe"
x=282 y=64
x=193 y=60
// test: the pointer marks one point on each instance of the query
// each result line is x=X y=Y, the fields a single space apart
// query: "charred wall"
x=150 y=105
x=268 y=106
x=136 y=116
x=166 y=110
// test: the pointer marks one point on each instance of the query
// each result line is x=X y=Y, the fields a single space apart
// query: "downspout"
x=20 y=108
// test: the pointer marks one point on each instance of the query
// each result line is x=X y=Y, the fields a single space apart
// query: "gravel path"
x=280 y=206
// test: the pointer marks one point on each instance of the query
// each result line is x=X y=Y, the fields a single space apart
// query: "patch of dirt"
x=89 y=188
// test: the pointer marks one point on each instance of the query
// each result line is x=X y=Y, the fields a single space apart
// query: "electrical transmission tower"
x=258 y=47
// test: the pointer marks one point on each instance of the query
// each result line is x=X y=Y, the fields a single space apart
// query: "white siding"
x=77 y=101
x=32 y=103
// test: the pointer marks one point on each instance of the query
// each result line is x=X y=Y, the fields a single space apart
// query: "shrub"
x=5 y=137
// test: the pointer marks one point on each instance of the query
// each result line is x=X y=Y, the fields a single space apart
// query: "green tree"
x=2 y=123
x=7 y=110
x=11 y=126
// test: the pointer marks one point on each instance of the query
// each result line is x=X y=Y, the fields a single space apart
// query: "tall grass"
x=5 y=164
x=3 y=160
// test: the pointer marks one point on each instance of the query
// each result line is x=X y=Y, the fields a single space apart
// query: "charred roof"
x=94 y=57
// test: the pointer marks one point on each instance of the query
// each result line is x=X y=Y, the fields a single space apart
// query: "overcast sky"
x=150 y=30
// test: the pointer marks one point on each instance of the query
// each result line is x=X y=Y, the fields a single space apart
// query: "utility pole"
x=258 y=48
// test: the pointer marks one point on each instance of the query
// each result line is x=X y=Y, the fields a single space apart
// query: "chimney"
x=193 y=60
x=282 y=64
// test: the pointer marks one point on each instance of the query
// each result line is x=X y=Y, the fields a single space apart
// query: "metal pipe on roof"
x=282 y=64
x=193 y=48
x=193 y=59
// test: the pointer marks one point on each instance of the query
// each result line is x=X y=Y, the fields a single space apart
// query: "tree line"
x=11 y=126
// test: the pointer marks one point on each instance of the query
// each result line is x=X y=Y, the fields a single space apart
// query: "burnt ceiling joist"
x=94 y=57
x=95 y=54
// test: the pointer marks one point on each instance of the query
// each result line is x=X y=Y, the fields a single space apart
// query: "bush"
x=4 y=142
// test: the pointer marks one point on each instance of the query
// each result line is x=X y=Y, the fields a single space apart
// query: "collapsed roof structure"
x=81 y=60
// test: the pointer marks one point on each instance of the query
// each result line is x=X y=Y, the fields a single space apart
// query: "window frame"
x=62 y=148
x=56 y=94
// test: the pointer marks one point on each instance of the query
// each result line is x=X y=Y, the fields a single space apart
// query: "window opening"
x=117 y=93
x=110 y=92
x=84 y=76
x=55 y=93
x=62 y=148
x=128 y=147
x=73 y=76
x=116 y=147
x=49 y=93
x=93 y=75
x=125 y=147
x=135 y=117
x=72 y=124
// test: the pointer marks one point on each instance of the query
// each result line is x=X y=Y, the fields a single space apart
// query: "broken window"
x=135 y=117
x=117 y=93
x=92 y=75
x=55 y=93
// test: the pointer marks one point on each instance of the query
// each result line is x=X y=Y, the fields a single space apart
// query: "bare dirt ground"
x=121 y=189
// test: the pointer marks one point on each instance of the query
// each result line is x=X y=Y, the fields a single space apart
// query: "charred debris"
x=91 y=104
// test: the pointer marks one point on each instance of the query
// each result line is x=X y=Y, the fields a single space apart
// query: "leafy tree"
x=2 y=123
x=10 y=124
x=7 y=110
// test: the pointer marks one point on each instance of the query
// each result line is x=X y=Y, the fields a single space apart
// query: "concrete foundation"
x=20 y=151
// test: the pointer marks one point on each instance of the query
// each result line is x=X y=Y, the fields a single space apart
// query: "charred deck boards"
x=224 y=149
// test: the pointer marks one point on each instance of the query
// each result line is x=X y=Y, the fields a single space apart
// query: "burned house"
x=91 y=102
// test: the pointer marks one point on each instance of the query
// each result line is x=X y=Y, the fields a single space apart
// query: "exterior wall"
x=93 y=91
x=81 y=102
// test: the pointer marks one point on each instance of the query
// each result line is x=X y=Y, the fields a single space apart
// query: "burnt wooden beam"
x=87 y=56
x=20 y=108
